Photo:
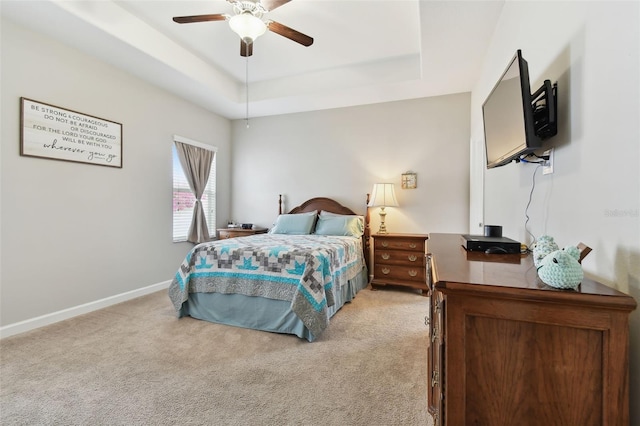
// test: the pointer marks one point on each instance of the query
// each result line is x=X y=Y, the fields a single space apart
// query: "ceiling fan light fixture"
x=247 y=26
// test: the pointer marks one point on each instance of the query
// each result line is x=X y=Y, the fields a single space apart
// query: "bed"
x=291 y=280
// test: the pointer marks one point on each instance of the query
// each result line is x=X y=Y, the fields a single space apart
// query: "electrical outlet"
x=547 y=166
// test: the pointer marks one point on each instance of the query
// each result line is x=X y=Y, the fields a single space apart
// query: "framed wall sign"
x=409 y=181
x=48 y=131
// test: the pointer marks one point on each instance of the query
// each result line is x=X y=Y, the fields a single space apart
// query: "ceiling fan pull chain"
x=247 y=89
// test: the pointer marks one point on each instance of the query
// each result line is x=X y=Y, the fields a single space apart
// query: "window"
x=184 y=200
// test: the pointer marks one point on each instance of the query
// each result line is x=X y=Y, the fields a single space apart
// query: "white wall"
x=592 y=50
x=75 y=233
x=341 y=153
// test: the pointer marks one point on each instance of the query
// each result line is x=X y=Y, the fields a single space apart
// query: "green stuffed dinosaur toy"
x=561 y=268
x=543 y=247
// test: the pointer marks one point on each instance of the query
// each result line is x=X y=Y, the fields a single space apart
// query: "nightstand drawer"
x=410 y=244
x=400 y=273
x=399 y=257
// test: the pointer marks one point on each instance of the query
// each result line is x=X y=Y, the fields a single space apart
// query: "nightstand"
x=224 y=233
x=399 y=259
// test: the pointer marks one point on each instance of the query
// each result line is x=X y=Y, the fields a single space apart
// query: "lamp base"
x=383 y=227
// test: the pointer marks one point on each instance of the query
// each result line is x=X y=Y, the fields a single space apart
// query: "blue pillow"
x=295 y=224
x=332 y=224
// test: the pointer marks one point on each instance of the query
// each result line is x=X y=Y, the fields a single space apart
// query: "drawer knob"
x=384 y=244
x=427 y=320
x=413 y=245
x=386 y=270
x=413 y=273
x=385 y=256
x=413 y=257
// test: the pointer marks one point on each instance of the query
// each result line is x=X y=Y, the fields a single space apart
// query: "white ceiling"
x=363 y=52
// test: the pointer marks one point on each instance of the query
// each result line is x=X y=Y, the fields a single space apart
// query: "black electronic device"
x=490 y=245
x=515 y=120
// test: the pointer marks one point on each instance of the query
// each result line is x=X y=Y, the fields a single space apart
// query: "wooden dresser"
x=506 y=349
x=399 y=259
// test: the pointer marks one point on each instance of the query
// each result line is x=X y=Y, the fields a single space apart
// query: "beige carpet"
x=137 y=364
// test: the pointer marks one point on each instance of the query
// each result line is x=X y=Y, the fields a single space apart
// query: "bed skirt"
x=265 y=314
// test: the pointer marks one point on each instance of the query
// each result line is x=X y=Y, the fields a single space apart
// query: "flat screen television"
x=515 y=120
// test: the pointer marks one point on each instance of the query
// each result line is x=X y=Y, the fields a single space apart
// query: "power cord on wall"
x=526 y=210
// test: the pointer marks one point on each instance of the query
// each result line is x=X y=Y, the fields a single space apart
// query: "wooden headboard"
x=329 y=205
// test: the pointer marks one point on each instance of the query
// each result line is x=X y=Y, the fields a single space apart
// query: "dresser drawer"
x=410 y=244
x=399 y=257
x=400 y=273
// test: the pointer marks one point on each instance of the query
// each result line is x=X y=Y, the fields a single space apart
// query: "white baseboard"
x=41 y=321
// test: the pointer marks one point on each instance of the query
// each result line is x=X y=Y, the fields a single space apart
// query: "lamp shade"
x=383 y=195
x=247 y=26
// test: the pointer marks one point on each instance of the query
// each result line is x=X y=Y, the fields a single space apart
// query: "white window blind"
x=184 y=200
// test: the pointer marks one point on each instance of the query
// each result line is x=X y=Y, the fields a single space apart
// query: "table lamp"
x=383 y=195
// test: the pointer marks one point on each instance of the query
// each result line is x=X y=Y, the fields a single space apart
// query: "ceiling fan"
x=248 y=24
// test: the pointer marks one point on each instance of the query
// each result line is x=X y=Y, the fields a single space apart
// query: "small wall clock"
x=409 y=181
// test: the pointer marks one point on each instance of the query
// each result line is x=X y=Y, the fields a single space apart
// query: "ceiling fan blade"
x=290 y=33
x=269 y=5
x=246 y=49
x=200 y=18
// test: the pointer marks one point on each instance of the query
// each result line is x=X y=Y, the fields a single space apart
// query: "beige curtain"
x=196 y=164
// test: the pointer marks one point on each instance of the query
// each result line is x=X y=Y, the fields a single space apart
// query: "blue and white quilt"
x=306 y=270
